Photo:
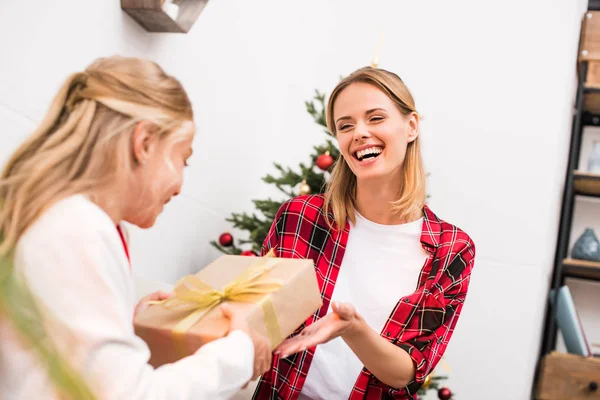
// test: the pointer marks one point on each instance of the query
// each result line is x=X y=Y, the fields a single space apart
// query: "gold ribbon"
x=193 y=295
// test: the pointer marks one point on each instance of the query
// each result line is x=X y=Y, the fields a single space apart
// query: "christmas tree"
x=310 y=178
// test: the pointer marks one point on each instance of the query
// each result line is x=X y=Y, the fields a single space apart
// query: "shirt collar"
x=431 y=231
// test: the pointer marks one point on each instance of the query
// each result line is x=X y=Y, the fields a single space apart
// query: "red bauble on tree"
x=225 y=239
x=248 y=253
x=444 y=394
x=324 y=161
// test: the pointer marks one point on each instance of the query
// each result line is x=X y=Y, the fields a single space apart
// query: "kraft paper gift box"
x=276 y=295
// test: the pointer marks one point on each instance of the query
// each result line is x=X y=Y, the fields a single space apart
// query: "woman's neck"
x=374 y=202
x=108 y=201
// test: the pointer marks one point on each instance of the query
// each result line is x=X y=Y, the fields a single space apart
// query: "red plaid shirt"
x=421 y=323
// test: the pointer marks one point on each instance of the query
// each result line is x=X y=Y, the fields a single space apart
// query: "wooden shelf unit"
x=586 y=112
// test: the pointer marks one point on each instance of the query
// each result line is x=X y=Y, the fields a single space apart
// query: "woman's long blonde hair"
x=85 y=138
x=340 y=194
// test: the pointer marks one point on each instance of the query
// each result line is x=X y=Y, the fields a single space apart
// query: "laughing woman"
x=393 y=276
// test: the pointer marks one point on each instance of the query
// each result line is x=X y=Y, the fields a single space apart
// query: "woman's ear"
x=413 y=126
x=143 y=142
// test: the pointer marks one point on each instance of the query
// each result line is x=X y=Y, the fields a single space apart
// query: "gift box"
x=276 y=295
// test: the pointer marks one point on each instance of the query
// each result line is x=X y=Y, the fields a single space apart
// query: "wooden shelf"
x=591 y=102
x=150 y=14
x=587 y=184
x=567 y=376
x=581 y=269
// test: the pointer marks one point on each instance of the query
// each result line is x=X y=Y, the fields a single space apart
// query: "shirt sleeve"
x=84 y=286
x=427 y=349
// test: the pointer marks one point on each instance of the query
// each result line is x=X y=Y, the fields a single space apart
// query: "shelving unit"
x=577 y=183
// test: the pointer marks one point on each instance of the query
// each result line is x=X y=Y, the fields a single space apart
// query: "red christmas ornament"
x=444 y=394
x=225 y=239
x=324 y=161
x=248 y=253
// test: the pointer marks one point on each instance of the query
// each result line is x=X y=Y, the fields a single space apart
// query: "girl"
x=112 y=148
x=392 y=274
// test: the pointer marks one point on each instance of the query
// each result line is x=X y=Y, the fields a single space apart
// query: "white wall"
x=495 y=82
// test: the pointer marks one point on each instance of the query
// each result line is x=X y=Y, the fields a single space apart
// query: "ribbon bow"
x=197 y=297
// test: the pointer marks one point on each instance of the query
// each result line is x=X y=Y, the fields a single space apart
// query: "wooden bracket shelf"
x=151 y=15
x=581 y=269
x=587 y=184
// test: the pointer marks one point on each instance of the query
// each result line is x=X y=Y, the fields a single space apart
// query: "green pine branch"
x=288 y=177
x=317 y=111
x=231 y=250
x=268 y=207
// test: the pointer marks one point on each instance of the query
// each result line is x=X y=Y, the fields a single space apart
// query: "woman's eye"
x=376 y=119
x=343 y=127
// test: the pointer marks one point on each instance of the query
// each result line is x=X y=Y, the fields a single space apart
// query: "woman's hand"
x=342 y=321
x=156 y=296
x=262 y=345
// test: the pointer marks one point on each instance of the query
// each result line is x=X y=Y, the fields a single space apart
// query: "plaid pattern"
x=422 y=323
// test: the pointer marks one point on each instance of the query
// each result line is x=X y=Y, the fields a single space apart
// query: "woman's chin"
x=368 y=174
x=145 y=222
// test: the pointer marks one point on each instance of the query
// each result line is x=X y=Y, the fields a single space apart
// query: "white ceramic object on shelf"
x=594 y=158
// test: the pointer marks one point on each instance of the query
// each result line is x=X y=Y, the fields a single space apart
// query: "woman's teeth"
x=368 y=153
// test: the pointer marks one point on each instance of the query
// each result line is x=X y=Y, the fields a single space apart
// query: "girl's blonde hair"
x=340 y=194
x=84 y=140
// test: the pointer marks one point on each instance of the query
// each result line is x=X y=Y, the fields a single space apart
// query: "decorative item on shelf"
x=175 y=16
x=226 y=239
x=587 y=247
x=248 y=253
x=594 y=158
x=325 y=161
x=304 y=188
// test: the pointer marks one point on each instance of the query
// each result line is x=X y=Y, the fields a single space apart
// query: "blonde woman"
x=393 y=276
x=111 y=148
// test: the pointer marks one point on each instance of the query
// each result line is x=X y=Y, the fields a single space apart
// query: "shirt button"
x=406 y=300
x=439 y=340
x=387 y=333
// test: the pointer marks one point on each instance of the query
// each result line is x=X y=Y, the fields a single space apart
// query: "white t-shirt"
x=382 y=263
x=75 y=263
